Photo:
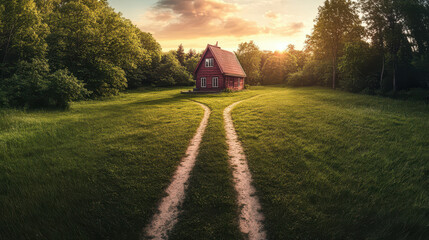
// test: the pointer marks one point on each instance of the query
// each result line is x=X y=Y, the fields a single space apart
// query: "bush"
x=64 y=88
x=27 y=86
x=107 y=79
x=33 y=86
x=296 y=79
x=171 y=73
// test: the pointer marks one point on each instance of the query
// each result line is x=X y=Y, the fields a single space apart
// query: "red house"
x=218 y=70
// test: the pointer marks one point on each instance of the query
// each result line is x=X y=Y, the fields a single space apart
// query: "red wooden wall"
x=209 y=73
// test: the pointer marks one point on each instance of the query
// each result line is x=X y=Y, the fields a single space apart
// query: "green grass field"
x=96 y=171
x=326 y=165
x=335 y=165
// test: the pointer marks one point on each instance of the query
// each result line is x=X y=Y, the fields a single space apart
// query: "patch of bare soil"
x=166 y=217
x=251 y=217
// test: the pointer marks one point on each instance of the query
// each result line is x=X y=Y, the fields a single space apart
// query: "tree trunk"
x=394 y=77
x=334 y=72
x=382 y=74
x=6 y=51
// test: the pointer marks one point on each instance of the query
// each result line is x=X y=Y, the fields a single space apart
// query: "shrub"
x=296 y=79
x=32 y=86
x=28 y=85
x=171 y=73
x=106 y=80
x=64 y=88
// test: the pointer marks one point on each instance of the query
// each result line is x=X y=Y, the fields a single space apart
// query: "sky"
x=272 y=25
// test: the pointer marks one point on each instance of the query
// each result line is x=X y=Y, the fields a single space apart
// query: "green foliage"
x=171 y=73
x=358 y=67
x=249 y=56
x=91 y=40
x=64 y=88
x=191 y=63
x=337 y=23
x=107 y=79
x=314 y=73
x=22 y=32
x=273 y=70
x=290 y=64
x=33 y=86
x=180 y=55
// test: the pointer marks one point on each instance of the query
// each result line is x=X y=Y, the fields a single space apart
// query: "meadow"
x=334 y=165
x=95 y=171
x=326 y=165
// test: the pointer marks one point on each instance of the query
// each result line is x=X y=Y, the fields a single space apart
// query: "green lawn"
x=326 y=165
x=334 y=165
x=96 y=171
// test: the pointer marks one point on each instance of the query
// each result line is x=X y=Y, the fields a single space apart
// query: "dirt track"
x=166 y=217
x=251 y=217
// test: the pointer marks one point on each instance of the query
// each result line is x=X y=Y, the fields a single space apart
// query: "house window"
x=215 y=82
x=239 y=82
x=209 y=62
x=203 y=82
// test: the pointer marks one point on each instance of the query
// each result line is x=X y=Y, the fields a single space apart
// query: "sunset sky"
x=194 y=23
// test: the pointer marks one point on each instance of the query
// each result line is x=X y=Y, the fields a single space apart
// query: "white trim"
x=213 y=82
x=209 y=62
x=203 y=80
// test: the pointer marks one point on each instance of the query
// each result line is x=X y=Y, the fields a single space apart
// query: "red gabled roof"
x=227 y=61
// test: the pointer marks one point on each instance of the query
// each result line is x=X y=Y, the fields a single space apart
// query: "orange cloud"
x=289 y=30
x=272 y=15
x=189 y=19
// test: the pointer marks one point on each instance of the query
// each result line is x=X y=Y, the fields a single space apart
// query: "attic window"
x=209 y=62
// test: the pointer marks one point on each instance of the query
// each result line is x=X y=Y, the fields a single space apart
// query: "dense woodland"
x=385 y=50
x=54 y=52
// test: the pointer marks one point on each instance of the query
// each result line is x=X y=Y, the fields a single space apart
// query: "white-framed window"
x=209 y=62
x=215 y=82
x=203 y=82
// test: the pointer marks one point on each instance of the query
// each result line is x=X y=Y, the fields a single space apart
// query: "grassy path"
x=210 y=208
x=168 y=210
x=251 y=218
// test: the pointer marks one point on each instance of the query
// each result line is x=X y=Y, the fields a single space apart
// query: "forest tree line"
x=53 y=52
x=385 y=50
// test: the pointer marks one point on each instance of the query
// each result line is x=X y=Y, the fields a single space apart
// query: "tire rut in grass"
x=169 y=208
x=251 y=217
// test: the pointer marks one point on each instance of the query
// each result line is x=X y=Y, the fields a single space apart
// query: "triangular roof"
x=227 y=61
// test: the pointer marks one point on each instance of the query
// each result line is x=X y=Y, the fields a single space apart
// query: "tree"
x=290 y=64
x=180 y=54
x=358 y=67
x=22 y=32
x=301 y=56
x=171 y=73
x=273 y=70
x=337 y=23
x=385 y=24
x=192 y=53
x=249 y=56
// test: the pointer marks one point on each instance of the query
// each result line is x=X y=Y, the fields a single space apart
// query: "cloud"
x=191 y=19
x=270 y=14
x=288 y=30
